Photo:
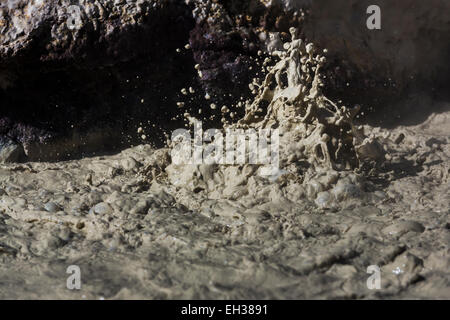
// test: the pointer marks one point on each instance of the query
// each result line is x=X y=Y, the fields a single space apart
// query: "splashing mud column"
x=292 y=100
x=318 y=142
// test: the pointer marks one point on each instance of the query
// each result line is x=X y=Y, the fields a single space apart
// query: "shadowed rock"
x=83 y=86
x=410 y=52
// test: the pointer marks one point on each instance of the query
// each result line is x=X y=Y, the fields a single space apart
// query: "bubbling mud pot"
x=344 y=197
x=318 y=148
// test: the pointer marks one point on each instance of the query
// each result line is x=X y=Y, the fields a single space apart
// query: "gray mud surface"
x=144 y=238
x=346 y=196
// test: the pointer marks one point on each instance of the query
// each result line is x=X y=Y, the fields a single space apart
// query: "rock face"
x=87 y=75
x=410 y=49
x=78 y=78
x=227 y=38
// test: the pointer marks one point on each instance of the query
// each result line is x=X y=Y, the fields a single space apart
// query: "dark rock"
x=410 y=52
x=67 y=92
x=225 y=43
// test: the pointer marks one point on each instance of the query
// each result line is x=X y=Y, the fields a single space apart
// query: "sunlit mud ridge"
x=319 y=146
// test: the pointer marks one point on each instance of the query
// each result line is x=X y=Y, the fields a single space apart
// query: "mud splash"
x=337 y=205
x=319 y=146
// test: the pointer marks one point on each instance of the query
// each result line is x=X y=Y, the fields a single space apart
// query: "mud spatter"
x=319 y=146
